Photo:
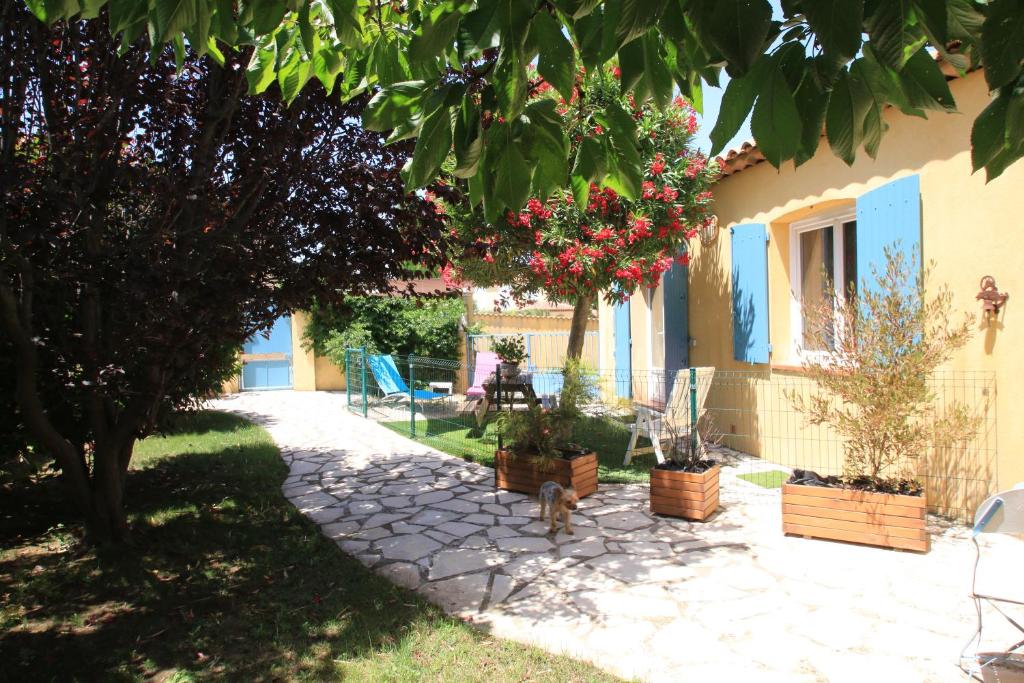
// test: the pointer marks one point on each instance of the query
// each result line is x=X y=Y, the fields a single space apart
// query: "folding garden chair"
x=651 y=423
x=391 y=383
x=1003 y=513
x=486 y=363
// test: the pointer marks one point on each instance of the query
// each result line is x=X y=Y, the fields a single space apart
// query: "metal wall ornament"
x=709 y=231
x=990 y=297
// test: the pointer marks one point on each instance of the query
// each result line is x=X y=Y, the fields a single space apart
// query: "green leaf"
x=964 y=22
x=836 y=24
x=435 y=36
x=38 y=10
x=1015 y=117
x=468 y=140
x=549 y=145
x=631 y=63
x=267 y=15
x=810 y=102
x=511 y=172
x=260 y=72
x=623 y=167
x=557 y=62
x=739 y=29
x=589 y=167
x=844 y=118
x=125 y=13
x=659 y=78
x=893 y=36
x=636 y=17
x=171 y=17
x=890 y=83
x=293 y=75
x=510 y=81
x=933 y=16
x=393 y=105
x=432 y=146
x=988 y=133
x=327 y=64
x=222 y=23
x=776 y=120
x=1002 y=44
x=737 y=103
x=865 y=81
x=388 y=62
x=924 y=83
x=479 y=30
x=1001 y=161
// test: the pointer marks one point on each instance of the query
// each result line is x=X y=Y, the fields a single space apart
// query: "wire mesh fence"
x=745 y=419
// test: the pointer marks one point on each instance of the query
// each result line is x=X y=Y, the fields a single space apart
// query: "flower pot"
x=1001 y=667
x=509 y=371
x=676 y=493
x=521 y=473
x=882 y=519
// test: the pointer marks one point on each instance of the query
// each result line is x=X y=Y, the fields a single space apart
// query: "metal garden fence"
x=745 y=418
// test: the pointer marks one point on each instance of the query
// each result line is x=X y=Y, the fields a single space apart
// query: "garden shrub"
x=381 y=324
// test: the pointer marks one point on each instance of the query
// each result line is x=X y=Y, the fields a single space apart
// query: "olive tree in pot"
x=877 y=352
x=512 y=351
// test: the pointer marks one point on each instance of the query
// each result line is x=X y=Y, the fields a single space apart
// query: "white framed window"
x=822 y=250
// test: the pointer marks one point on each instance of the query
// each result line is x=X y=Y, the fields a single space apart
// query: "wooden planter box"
x=521 y=474
x=890 y=521
x=684 y=494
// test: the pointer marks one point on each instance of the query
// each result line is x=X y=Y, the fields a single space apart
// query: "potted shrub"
x=539 y=446
x=878 y=351
x=512 y=351
x=686 y=484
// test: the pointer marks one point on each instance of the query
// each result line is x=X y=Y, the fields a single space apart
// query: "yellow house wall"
x=303 y=360
x=969 y=229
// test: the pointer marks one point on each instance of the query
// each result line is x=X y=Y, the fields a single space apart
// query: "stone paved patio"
x=647 y=597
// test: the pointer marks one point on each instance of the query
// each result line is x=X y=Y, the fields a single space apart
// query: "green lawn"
x=224 y=580
x=771 y=479
x=459 y=436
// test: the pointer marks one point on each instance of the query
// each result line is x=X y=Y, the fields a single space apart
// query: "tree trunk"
x=578 y=330
x=106 y=521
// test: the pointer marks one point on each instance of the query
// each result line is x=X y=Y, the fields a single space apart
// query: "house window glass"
x=817 y=272
x=850 y=257
x=824 y=271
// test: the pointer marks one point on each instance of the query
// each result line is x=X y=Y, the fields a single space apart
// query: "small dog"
x=554 y=500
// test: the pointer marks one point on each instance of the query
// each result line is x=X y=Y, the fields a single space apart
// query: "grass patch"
x=224 y=580
x=459 y=436
x=769 y=479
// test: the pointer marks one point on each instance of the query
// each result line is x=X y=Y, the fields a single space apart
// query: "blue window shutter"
x=750 y=292
x=888 y=216
x=677 y=333
x=623 y=351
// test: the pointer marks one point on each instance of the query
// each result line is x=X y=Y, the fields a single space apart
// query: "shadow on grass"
x=224 y=579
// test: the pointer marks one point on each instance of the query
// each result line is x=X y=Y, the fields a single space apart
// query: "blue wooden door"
x=267 y=360
x=623 y=352
x=675 y=290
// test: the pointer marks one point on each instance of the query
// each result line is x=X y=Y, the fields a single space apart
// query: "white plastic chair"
x=1002 y=513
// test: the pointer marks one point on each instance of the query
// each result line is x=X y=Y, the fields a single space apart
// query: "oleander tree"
x=586 y=241
x=810 y=65
x=154 y=217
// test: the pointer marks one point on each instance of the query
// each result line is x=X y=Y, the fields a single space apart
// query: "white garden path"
x=644 y=597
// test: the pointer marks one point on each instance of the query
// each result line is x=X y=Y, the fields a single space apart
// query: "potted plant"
x=512 y=351
x=539 y=446
x=686 y=484
x=877 y=351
